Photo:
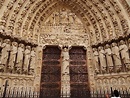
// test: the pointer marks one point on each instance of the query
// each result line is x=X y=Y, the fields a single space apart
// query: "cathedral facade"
x=63 y=46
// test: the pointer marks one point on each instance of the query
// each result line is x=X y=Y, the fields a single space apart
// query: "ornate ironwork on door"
x=78 y=73
x=51 y=73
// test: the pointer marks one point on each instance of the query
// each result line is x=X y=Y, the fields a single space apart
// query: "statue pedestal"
x=65 y=85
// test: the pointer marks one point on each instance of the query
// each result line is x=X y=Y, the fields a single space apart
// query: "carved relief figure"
x=102 y=59
x=64 y=16
x=129 y=46
x=108 y=53
x=122 y=80
x=114 y=81
x=1 y=40
x=65 y=56
x=96 y=60
x=33 y=61
x=5 y=52
x=124 y=53
x=26 y=59
x=20 y=57
x=1 y=82
x=116 y=56
x=65 y=72
x=13 y=53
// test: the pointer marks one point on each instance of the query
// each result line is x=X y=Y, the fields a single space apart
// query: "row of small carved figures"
x=114 y=56
x=16 y=57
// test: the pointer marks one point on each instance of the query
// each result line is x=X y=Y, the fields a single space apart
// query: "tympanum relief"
x=63 y=28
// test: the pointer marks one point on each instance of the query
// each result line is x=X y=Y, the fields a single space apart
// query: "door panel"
x=51 y=73
x=78 y=73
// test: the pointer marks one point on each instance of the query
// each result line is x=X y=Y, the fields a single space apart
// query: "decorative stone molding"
x=116 y=81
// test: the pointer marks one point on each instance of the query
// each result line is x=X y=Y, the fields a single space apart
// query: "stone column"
x=38 y=67
x=65 y=74
x=90 y=66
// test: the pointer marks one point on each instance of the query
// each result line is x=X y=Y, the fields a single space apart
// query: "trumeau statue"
x=33 y=61
x=27 y=58
x=108 y=53
x=124 y=53
x=102 y=59
x=13 y=52
x=96 y=60
x=65 y=72
x=116 y=55
x=20 y=57
x=65 y=56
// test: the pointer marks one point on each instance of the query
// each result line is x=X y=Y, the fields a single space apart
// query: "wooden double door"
x=51 y=73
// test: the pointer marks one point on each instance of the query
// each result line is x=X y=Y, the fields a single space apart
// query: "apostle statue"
x=116 y=57
x=19 y=62
x=124 y=54
x=96 y=60
x=33 y=61
x=5 y=52
x=13 y=52
x=65 y=59
x=108 y=53
x=26 y=59
x=102 y=59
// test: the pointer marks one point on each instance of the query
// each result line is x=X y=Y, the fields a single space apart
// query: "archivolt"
x=103 y=19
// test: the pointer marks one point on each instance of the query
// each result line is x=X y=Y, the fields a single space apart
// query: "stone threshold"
x=5 y=75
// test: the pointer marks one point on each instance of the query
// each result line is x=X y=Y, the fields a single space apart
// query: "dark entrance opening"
x=51 y=73
x=79 y=73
